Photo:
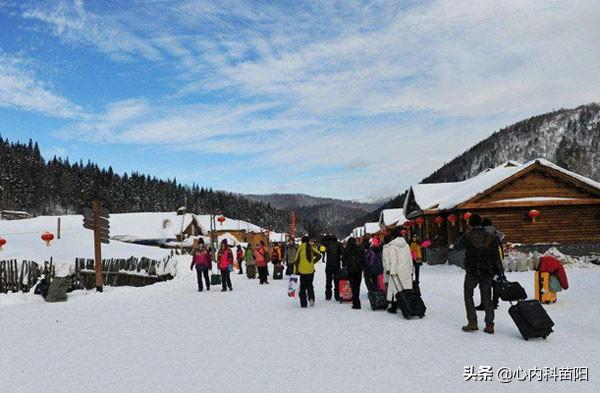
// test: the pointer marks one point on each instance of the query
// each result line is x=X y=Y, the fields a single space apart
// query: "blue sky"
x=351 y=99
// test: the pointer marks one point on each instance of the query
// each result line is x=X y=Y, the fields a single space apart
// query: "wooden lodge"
x=536 y=205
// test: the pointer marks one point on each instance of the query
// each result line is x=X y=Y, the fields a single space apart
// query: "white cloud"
x=381 y=91
x=20 y=89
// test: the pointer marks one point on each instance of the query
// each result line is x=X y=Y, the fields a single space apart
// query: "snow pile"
x=517 y=261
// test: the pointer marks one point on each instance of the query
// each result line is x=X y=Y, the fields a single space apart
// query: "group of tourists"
x=389 y=265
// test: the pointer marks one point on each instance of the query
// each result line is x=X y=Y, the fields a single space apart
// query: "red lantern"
x=221 y=219
x=439 y=220
x=2 y=243
x=47 y=237
x=467 y=216
x=452 y=218
x=426 y=244
x=420 y=221
x=533 y=214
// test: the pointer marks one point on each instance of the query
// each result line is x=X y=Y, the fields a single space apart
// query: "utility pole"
x=58 y=229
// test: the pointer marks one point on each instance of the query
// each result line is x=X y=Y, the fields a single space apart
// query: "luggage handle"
x=392 y=277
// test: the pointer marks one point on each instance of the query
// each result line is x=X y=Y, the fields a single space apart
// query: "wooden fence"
x=22 y=277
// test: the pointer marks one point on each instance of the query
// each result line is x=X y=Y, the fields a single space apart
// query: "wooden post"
x=58 y=229
x=97 y=246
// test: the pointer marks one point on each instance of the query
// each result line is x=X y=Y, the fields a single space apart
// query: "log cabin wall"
x=556 y=224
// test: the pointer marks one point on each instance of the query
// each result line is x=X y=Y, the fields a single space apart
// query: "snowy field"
x=171 y=338
x=24 y=242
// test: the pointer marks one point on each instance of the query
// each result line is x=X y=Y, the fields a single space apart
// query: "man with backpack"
x=333 y=252
x=481 y=265
x=354 y=260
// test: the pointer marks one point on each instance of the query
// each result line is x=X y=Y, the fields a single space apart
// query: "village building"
x=536 y=205
x=391 y=218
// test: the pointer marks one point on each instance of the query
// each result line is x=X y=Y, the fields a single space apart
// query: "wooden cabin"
x=567 y=207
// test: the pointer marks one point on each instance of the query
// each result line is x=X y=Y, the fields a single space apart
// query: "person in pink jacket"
x=201 y=261
x=225 y=265
x=260 y=256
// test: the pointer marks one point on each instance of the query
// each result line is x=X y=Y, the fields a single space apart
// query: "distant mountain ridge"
x=293 y=201
x=569 y=138
x=317 y=214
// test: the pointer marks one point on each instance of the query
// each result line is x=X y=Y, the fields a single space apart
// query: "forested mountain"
x=29 y=183
x=320 y=215
x=294 y=201
x=568 y=137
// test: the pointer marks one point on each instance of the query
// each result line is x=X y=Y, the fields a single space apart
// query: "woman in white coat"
x=398 y=265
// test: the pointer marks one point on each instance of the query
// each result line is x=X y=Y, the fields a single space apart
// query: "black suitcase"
x=215 y=279
x=411 y=304
x=531 y=319
x=510 y=291
x=251 y=271
x=278 y=272
x=377 y=300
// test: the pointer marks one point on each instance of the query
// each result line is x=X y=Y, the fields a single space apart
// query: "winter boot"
x=489 y=328
x=470 y=327
x=480 y=308
x=393 y=308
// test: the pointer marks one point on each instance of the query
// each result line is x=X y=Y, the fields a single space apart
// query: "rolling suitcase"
x=377 y=300
x=250 y=271
x=278 y=272
x=344 y=289
x=215 y=279
x=410 y=302
x=531 y=319
x=543 y=293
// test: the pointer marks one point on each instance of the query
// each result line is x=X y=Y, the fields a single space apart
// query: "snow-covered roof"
x=149 y=226
x=391 y=217
x=371 y=228
x=444 y=196
x=229 y=224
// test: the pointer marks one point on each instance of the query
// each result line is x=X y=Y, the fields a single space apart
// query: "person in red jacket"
x=549 y=264
x=260 y=256
x=240 y=258
x=201 y=261
x=225 y=264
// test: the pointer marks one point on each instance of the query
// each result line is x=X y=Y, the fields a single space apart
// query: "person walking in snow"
x=290 y=256
x=398 y=265
x=260 y=256
x=417 y=255
x=304 y=265
x=250 y=262
x=333 y=260
x=201 y=261
x=374 y=264
x=481 y=264
x=240 y=258
x=486 y=223
x=276 y=255
x=225 y=264
x=354 y=260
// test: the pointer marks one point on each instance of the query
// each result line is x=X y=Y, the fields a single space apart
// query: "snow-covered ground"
x=24 y=241
x=171 y=338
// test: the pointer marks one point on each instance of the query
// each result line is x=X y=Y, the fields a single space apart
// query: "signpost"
x=96 y=219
